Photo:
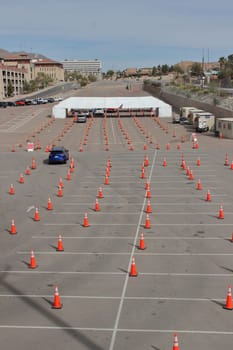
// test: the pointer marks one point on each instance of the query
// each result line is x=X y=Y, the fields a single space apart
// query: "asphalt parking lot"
x=184 y=273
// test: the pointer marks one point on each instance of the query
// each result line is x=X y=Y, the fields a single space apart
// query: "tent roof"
x=112 y=102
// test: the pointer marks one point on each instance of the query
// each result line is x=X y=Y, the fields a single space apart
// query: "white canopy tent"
x=91 y=103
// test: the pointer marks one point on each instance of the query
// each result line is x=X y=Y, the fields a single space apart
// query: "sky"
x=120 y=33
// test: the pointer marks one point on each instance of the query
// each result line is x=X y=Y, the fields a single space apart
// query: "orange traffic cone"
x=168 y=146
x=13 y=228
x=221 y=213
x=198 y=162
x=232 y=238
x=191 y=176
x=33 y=263
x=72 y=163
x=229 y=304
x=100 y=193
x=208 y=196
x=146 y=161
x=85 y=220
x=199 y=185
x=226 y=160
x=147 y=185
x=148 y=194
x=21 y=179
x=68 y=176
x=188 y=171
x=107 y=172
x=49 y=205
x=183 y=165
x=178 y=146
x=231 y=167
x=27 y=171
x=142 y=242
x=175 y=343
x=37 y=215
x=59 y=192
x=56 y=300
x=106 y=182
x=147 y=222
x=33 y=166
x=13 y=148
x=60 y=183
x=164 y=162
x=12 y=189
x=143 y=174
x=148 y=208
x=109 y=163
x=60 y=244
x=144 y=147
x=133 y=269
x=97 y=207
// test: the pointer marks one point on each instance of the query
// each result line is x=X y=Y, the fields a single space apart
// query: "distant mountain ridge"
x=5 y=53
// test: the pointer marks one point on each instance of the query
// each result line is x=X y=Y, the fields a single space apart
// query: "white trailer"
x=224 y=127
x=185 y=111
x=204 y=122
x=192 y=115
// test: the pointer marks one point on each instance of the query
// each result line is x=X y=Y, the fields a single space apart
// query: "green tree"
x=10 y=89
x=92 y=78
x=196 y=69
x=109 y=73
x=165 y=69
x=177 y=68
x=154 y=71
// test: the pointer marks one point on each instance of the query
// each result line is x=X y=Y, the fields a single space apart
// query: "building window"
x=219 y=125
x=229 y=126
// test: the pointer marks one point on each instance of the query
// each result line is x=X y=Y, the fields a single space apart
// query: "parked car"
x=58 y=155
x=3 y=104
x=20 y=102
x=81 y=118
x=98 y=112
x=11 y=104
x=42 y=100
x=51 y=100
x=57 y=99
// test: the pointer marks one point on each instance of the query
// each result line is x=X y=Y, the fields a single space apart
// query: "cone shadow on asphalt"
x=217 y=302
x=50 y=315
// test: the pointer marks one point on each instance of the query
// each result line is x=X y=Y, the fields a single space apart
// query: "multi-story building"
x=11 y=75
x=15 y=69
x=51 y=68
x=84 y=67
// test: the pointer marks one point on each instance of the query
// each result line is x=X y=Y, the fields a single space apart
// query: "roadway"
x=185 y=270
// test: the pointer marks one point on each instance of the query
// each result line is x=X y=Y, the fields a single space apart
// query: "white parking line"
x=133 y=224
x=154 y=203
x=136 y=213
x=125 y=253
x=127 y=330
x=91 y=224
x=130 y=237
x=97 y=297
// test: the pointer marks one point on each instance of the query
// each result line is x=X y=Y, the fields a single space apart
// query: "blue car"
x=58 y=155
